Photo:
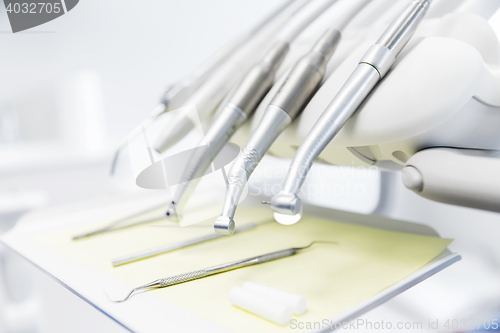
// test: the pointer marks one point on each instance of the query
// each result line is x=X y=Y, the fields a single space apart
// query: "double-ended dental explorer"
x=293 y=95
x=372 y=67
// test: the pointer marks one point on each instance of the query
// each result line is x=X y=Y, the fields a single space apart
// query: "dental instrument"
x=278 y=313
x=175 y=246
x=210 y=94
x=240 y=105
x=373 y=66
x=201 y=273
x=298 y=303
x=293 y=95
x=115 y=224
x=175 y=95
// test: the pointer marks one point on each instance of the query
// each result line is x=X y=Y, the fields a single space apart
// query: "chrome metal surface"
x=201 y=273
x=174 y=246
x=295 y=92
x=223 y=127
x=121 y=223
x=160 y=109
x=379 y=57
x=268 y=130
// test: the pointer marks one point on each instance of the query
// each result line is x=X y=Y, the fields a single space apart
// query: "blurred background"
x=72 y=88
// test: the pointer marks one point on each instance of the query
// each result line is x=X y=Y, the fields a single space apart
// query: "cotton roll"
x=298 y=303
x=266 y=308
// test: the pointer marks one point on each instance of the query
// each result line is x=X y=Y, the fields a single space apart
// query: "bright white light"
x=288 y=219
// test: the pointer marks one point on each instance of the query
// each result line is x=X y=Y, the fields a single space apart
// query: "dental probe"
x=178 y=93
x=115 y=224
x=291 y=98
x=242 y=102
x=175 y=246
x=199 y=274
x=373 y=66
x=209 y=95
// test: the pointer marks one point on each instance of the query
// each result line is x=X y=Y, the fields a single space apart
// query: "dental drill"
x=180 y=92
x=373 y=66
x=293 y=95
x=210 y=94
x=240 y=105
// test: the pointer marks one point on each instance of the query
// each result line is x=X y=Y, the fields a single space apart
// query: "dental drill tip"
x=224 y=225
x=286 y=203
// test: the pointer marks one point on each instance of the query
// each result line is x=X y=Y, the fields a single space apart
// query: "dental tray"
x=375 y=260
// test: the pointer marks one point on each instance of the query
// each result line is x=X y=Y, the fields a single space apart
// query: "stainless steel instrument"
x=201 y=273
x=373 y=66
x=175 y=246
x=291 y=98
x=241 y=104
x=179 y=92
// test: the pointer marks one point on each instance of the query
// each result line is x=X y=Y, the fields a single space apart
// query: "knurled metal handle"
x=176 y=279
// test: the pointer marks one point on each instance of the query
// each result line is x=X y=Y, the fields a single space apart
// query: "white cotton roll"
x=298 y=303
x=278 y=313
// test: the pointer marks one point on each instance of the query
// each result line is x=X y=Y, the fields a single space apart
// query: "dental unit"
x=373 y=66
x=294 y=93
x=241 y=104
x=226 y=267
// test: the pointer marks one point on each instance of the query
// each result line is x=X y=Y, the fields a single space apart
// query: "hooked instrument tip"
x=120 y=300
x=153 y=285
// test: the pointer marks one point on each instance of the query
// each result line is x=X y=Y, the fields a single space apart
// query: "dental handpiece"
x=175 y=95
x=241 y=103
x=291 y=98
x=209 y=95
x=373 y=66
x=148 y=253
